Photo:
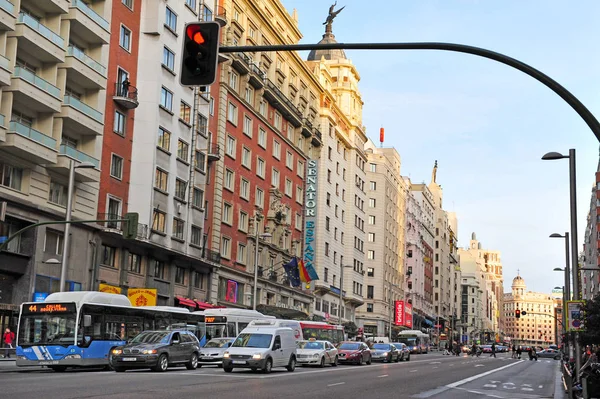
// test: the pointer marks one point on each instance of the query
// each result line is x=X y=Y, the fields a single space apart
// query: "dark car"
x=157 y=350
x=354 y=352
x=549 y=354
x=403 y=351
x=385 y=353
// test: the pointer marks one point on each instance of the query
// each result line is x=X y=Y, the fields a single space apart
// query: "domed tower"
x=518 y=287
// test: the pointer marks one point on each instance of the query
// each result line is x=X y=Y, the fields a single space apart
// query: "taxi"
x=316 y=353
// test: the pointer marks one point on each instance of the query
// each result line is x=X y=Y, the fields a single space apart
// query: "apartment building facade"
x=52 y=72
x=590 y=279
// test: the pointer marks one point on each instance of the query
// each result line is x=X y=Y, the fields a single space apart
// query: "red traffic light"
x=193 y=32
x=517 y=313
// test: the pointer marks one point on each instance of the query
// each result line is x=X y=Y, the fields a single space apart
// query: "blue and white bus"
x=79 y=329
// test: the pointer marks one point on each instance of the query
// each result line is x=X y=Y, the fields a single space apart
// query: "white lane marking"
x=526 y=385
x=382 y=376
x=527 y=389
x=495 y=382
x=490 y=386
x=477 y=392
x=412 y=371
x=435 y=363
x=541 y=386
x=495 y=396
x=337 y=383
x=436 y=367
x=478 y=376
x=479 y=365
x=508 y=383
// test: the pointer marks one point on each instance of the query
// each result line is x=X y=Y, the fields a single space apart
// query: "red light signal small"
x=518 y=314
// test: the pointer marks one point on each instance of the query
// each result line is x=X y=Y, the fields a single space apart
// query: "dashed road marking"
x=490 y=386
x=337 y=383
x=527 y=389
x=412 y=371
x=382 y=376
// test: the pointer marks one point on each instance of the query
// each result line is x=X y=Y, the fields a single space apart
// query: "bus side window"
x=231 y=329
x=94 y=331
x=241 y=326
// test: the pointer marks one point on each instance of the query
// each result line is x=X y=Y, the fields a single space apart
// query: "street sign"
x=575 y=316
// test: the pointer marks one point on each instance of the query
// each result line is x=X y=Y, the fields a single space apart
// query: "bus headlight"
x=257 y=356
x=75 y=356
x=117 y=351
x=226 y=355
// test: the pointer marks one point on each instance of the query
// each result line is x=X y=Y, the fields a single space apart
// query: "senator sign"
x=310 y=212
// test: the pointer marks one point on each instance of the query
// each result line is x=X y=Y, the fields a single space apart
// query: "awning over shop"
x=205 y=305
x=428 y=322
x=185 y=302
x=282 y=313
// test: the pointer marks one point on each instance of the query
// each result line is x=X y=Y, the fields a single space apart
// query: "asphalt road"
x=425 y=376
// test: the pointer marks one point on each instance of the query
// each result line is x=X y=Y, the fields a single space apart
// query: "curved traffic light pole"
x=553 y=85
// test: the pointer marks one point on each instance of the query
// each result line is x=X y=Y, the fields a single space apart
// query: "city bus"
x=79 y=329
x=417 y=341
x=228 y=322
x=323 y=331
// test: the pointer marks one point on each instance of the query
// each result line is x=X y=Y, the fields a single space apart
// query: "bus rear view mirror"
x=87 y=320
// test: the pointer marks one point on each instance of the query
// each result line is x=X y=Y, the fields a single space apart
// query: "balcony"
x=127 y=99
x=88 y=24
x=80 y=117
x=84 y=70
x=66 y=154
x=7 y=15
x=308 y=130
x=117 y=227
x=5 y=71
x=211 y=256
x=241 y=63
x=30 y=144
x=34 y=92
x=282 y=103
x=317 y=137
x=2 y=128
x=213 y=152
x=257 y=77
x=35 y=38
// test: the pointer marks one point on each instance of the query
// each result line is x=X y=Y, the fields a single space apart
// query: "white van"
x=274 y=323
x=262 y=348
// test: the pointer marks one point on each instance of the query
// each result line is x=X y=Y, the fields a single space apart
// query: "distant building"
x=590 y=280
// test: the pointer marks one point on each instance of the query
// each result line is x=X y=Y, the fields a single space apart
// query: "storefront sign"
x=557 y=293
x=575 y=316
x=109 y=289
x=310 y=211
x=142 y=296
x=232 y=291
x=403 y=314
x=39 y=296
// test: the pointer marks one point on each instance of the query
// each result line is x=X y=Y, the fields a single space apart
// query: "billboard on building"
x=109 y=289
x=403 y=314
x=310 y=211
x=142 y=296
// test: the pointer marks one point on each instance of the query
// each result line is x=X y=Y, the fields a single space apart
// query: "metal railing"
x=86 y=59
x=213 y=150
x=90 y=13
x=142 y=229
x=83 y=107
x=78 y=155
x=33 y=134
x=2 y=118
x=282 y=97
x=131 y=93
x=4 y=62
x=37 y=81
x=7 y=6
x=42 y=29
x=212 y=256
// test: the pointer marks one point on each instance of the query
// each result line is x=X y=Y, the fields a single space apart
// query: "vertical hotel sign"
x=310 y=211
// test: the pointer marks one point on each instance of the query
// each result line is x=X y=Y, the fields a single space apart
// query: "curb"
x=559 y=388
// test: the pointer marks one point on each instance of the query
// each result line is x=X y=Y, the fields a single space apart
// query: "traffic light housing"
x=131 y=225
x=200 y=53
x=518 y=314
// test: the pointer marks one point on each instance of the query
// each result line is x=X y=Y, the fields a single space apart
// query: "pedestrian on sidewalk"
x=493 y=349
x=8 y=340
x=514 y=351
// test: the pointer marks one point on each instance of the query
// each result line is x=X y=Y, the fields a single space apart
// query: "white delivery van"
x=262 y=348
x=293 y=324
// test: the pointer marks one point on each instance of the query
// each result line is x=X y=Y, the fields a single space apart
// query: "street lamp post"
x=257 y=217
x=66 y=238
x=574 y=255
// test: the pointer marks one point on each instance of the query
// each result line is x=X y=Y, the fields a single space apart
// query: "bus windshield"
x=408 y=341
x=43 y=329
x=216 y=331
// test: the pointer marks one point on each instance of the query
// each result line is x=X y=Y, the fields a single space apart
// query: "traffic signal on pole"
x=523 y=313
x=518 y=314
x=200 y=53
x=131 y=225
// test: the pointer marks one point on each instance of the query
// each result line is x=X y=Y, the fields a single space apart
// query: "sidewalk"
x=559 y=388
x=10 y=366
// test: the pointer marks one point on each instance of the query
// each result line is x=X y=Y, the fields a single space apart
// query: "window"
x=166 y=99
x=241 y=253
x=114 y=212
x=289 y=160
x=125 y=38
x=370 y=254
x=262 y=108
x=180 y=188
x=200 y=161
x=229 y=182
x=300 y=169
x=262 y=137
x=276 y=149
x=371 y=219
x=158 y=221
x=196 y=236
x=275 y=178
x=168 y=59
x=128 y=3
x=198 y=198
x=227 y=215
x=230 y=147
x=372 y=202
x=247 y=126
x=277 y=120
x=328 y=199
x=185 y=112
x=249 y=95
x=288 y=187
x=182 y=150
x=11 y=176
x=372 y=167
x=370 y=291
x=326 y=275
x=260 y=167
x=260 y=198
x=369 y=307
x=299 y=194
x=243 y=222
x=161 y=179
x=326 y=249
x=370 y=272
x=179 y=275
x=108 y=255
x=171 y=19
x=373 y=185
x=53 y=243
x=135 y=263
x=197 y=280
x=226 y=247
x=57 y=194
x=298 y=222
x=327 y=223
x=164 y=139
x=178 y=228
x=119 y=123
x=116 y=166
x=245 y=189
x=160 y=271
x=232 y=113
x=233 y=80
x=246 y=158
x=371 y=237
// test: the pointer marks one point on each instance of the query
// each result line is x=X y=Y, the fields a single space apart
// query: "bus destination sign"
x=44 y=308
x=215 y=319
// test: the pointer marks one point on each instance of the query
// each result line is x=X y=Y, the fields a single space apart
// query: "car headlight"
x=226 y=355
x=385 y=353
x=257 y=356
x=117 y=351
x=149 y=351
x=73 y=356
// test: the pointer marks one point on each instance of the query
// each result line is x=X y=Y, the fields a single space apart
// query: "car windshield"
x=217 y=343
x=384 y=347
x=349 y=347
x=152 y=337
x=253 y=341
x=310 y=345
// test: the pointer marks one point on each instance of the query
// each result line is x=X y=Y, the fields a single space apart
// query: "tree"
x=351 y=329
x=591 y=335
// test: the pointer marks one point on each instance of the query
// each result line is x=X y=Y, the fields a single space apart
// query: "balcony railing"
x=33 y=134
x=86 y=59
x=212 y=256
x=4 y=62
x=2 y=121
x=283 y=98
x=78 y=155
x=255 y=68
x=213 y=152
x=83 y=107
x=41 y=29
x=37 y=81
x=131 y=93
x=142 y=229
x=7 y=6
x=91 y=13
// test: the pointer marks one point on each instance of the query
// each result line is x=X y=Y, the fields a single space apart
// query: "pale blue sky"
x=485 y=123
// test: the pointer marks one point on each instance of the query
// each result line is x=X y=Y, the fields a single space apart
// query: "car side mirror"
x=175 y=342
